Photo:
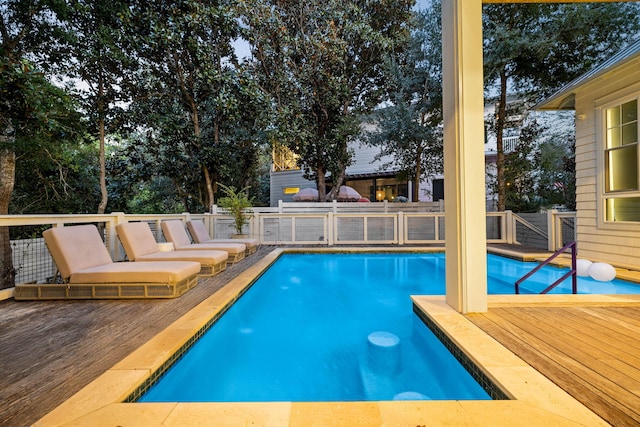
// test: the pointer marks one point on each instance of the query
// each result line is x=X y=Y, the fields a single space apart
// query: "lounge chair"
x=88 y=272
x=140 y=245
x=175 y=232
x=200 y=234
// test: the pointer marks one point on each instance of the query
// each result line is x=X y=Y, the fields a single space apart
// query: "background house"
x=367 y=175
x=605 y=101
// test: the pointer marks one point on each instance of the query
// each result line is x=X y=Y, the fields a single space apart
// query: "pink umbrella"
x=306 y=195
x=348 y=194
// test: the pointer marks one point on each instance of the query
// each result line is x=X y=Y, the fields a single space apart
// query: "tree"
x=33 y=112
x=536 y=48
x=519 y=171
x=100 y=64
x=188 y=67
x=322 y=64
x=56 y=178
x=409 y=130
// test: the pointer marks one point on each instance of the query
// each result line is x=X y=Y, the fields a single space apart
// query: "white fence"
x=334 y=226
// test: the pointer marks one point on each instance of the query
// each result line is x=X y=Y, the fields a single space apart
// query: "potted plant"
x=238 y=205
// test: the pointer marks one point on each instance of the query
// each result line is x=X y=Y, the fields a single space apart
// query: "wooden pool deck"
x=51 y=350
x=592 y=351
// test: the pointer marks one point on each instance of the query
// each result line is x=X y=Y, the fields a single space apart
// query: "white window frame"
x=601 y=105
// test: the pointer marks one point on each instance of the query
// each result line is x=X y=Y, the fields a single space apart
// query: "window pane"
x=622 y=169
x=630 y=112
x=630 y=133
x=613 y=138
x=627 y=209
x=613 y=117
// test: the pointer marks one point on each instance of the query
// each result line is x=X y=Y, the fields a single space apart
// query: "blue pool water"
x=302 y=333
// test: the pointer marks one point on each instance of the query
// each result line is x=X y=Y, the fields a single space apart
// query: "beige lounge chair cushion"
x=137 y=272
x=76 y=248
x=81 y=257
x=200 y=234
x=198 y=231
x=140 y=245
x=251 y=243
x=175 y=232
x=137 y=239
x=203 y=257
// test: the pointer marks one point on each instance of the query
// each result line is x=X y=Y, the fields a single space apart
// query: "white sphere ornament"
x=602 y=272
x=582 y=267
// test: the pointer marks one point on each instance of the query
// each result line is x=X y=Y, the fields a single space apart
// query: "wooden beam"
x=555 y=1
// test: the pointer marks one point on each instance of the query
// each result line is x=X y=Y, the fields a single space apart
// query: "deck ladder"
x=572 y=272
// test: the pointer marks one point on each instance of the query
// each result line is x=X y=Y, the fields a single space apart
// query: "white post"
x=400 y=228
x=465 y=223
x=551 y=230
x=330 y=227
x=509 y=226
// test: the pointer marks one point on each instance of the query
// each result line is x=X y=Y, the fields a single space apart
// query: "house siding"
x=618 y=244
x=280 y=180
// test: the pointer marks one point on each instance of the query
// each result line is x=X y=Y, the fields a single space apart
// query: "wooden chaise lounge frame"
x=88 y=272
x=200 y=234
x=140 y=245
x=175 y=233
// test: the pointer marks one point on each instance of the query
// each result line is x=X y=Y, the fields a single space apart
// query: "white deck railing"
x=331 y=227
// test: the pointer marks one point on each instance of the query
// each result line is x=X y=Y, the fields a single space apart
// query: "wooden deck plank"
x=627 y=319
x=577 y=358
x=514 y=339
x=51 y=349
x=582 y=355
x=585 y=355
x=601 y=342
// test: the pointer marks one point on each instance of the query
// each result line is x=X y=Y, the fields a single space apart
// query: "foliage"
x=533 y=49
x=100 y=63
x=556 y=173
x=190 y=69
x=322 y=64
x=409 y=130
x=519 y=167
x=62 y=179
x=237 y=204
x=34 y=114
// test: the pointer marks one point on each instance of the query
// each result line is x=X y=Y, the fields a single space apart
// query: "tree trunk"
x=102 y=206
x=7 y=180
x=415 y=191
x=500 y=120
x=103 y=170
x=322 y=184
x=208 y=182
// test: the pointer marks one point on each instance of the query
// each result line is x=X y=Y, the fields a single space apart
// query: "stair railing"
x=572 y=272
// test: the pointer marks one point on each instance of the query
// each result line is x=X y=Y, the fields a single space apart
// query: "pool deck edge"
x=535 y=397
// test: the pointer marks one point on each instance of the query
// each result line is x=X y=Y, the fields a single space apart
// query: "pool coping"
x=533 y=396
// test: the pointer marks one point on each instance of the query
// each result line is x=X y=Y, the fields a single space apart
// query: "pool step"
x=379 y=365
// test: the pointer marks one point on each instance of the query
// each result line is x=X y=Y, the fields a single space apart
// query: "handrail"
x=572 y=272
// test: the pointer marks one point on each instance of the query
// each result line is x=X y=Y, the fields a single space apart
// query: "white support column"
x=464 y=175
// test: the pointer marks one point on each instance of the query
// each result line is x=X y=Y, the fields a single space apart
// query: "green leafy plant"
x=237 y=204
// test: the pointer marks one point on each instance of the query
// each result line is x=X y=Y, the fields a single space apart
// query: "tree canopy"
x=322 y=63
x=408 y=129
x=532 y=49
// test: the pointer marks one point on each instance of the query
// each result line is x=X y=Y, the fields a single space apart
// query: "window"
x=283 y=159
x=622 y=178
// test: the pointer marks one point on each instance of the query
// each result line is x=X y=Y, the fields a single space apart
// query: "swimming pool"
x=301 y=333
x=251 y=366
